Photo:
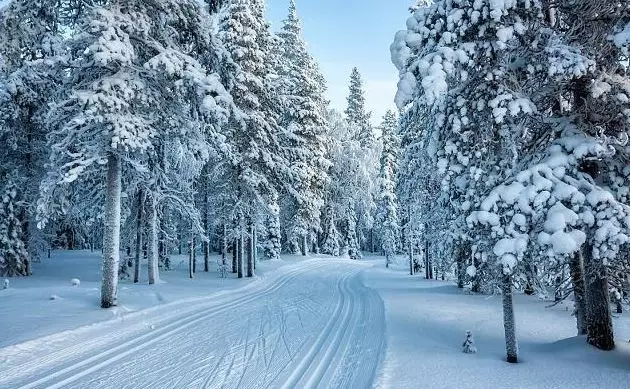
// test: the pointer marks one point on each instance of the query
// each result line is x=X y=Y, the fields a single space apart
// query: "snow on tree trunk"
x=599 y=324
x=139 y=221
x=509 y=323
x=111 y=233
x=152 y=243
x=576 y=267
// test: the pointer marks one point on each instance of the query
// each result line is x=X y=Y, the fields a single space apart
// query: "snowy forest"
x=149 y=130
x=154 y=126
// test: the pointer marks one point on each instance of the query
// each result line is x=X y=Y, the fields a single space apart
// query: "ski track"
x=312 y=325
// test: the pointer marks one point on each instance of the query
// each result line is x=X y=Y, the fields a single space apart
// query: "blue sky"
x=342 y=34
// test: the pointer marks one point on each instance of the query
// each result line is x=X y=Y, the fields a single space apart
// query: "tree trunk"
x=206 y=226
x=193 y=239
x=235 y=256
x=372 y=244
x=476 y=280
x=509 y=323
x=241 y=247
x=427 y=264
x=304 y=245
x=255 y=246
x=250 y=250
x=224 y=250
x=153 y=255
x=462 y=258
x=599 y=326
x=410 y=252
x=191 y=260
x=111 y=233
x=576 y=267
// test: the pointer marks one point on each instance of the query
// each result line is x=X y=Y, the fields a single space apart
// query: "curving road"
x=310 y=325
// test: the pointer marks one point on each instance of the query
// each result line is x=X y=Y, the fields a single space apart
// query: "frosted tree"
x=257 y=165
x=348 y=192
x=332 y=237
x=356 y=112
x=463 y=74
x=387 y=204
x=304 y=141
x=272 y=245
x=29 y=43
x=129 y=89
x=468 y=347
x=14 y=257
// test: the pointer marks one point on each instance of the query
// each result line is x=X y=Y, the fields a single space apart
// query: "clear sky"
x=342 y=34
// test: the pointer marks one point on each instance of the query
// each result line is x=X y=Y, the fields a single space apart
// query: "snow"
x=318 y=322
x=426 y=322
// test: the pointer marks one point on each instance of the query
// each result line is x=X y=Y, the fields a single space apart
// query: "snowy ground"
x=427 y=322
x=316 y=323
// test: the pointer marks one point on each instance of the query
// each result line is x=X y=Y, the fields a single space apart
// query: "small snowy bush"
x=5 y=284
x=75 y=282
x=469 y=344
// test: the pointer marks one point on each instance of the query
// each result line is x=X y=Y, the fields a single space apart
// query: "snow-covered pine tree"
x=462 y=70
x=331 y=234
x=14 y=257
x=302 y=120
x=361 y=132
x=29 y=43
x=356 y=112
x=257 y=164
x=132 y=92
x=349 y=191
x=468 y=347
x=387 y=205
x=271 y=243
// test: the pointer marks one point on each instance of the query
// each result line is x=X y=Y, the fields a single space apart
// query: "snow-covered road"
x=309 y=325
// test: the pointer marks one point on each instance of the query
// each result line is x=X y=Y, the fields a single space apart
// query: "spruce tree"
x=356 y=113
x=14 y=257
x=304 y=142
x=387 y=204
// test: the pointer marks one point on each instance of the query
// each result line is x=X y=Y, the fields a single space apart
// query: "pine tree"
x=256 y=168
x=356 y=113
x=127 y=102
x=304 y=141
x=29 y=43
x=387 y=211
x=331 y=235
x=13 y=254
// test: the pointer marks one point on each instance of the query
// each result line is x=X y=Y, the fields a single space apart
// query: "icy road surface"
x=309 y=325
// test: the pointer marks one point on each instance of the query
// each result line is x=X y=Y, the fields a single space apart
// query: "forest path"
x=310 y=325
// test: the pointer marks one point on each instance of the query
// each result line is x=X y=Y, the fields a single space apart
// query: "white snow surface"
x=301 y=323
